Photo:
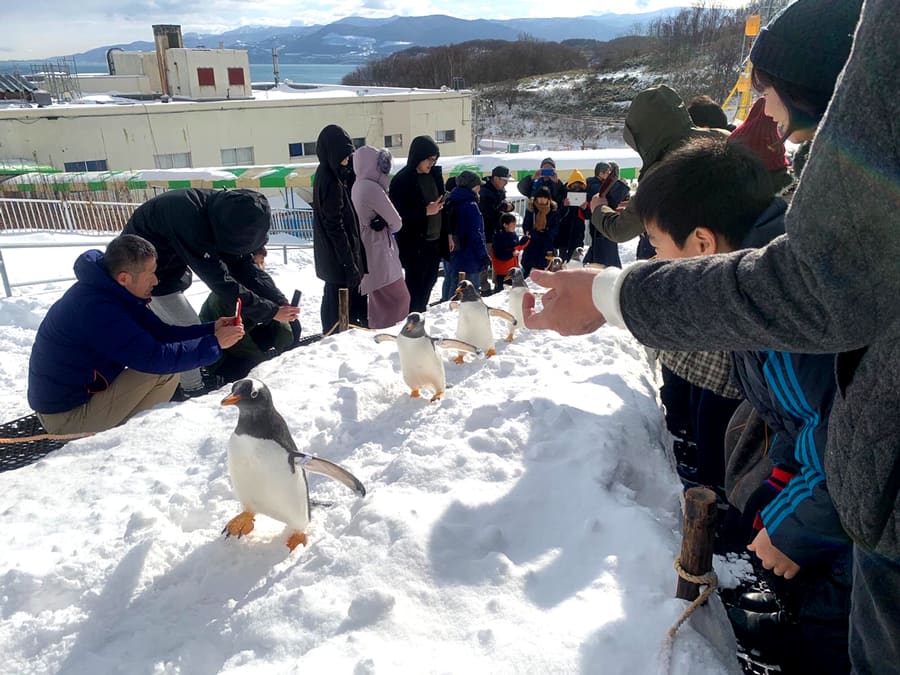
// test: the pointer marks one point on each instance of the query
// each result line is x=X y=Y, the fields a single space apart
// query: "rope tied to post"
x=711 y=581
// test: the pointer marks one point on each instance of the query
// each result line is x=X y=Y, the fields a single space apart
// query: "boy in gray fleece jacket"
x=831 y=284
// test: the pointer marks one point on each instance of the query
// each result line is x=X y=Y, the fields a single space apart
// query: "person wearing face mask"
x=417 y=192
x=339 y=254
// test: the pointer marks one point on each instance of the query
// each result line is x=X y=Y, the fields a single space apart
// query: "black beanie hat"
x=808 y=42
x=468 y=179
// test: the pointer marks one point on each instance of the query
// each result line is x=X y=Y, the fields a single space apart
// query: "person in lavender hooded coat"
x=378 y=221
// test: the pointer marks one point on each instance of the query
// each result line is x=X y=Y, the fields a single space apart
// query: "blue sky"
x=43 y=28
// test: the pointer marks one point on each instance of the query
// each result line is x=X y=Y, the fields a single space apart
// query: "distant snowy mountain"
x=358 y=39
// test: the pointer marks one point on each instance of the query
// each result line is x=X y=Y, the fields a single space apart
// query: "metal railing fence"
x=92 y=217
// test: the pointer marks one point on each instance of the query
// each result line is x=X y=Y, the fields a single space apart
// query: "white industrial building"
x=207 y=114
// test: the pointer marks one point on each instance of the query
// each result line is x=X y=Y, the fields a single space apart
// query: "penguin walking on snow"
x=263 y=463
x=516 y=296
x=474 y=324
x=555 y=264
x=420 y=364
x=577 y=260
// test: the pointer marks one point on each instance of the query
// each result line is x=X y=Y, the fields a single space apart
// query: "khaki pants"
x=130 y=393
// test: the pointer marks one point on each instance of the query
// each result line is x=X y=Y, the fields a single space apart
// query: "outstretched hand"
x=568 y=307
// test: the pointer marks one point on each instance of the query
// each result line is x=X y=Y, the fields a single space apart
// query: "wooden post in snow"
x=697 y=541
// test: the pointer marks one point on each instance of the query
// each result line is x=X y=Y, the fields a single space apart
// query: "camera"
x=547 y=172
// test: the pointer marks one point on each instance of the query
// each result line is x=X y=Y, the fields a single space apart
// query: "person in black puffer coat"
x=339 y=254
x=212 y=233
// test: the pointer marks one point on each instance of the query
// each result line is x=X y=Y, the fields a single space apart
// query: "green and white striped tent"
x=300 y=175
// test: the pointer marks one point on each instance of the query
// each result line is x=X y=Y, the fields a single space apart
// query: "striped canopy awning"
x=300 y=175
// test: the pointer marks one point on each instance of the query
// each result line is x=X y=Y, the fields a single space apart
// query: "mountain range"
x=358 y=39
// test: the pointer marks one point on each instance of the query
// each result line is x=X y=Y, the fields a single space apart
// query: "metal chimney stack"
x=165 y=36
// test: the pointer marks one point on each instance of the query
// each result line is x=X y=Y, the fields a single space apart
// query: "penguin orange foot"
x=437 y=397
x=296 y=539
x=240 y=525
x=459 y=359
x=490 y=352
x=414 y=393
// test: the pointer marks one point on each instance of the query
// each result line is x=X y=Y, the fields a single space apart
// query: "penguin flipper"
x=451 y=343
x=332 y=470
x=503 y=314
x=385 y=337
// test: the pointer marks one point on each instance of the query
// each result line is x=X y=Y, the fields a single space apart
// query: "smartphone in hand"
x=295 y=301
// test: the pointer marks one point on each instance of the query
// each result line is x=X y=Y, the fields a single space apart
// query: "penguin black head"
x=257 y=416
x=249 y=393
x=414 y=326
x=466 y=292
x=515 y=277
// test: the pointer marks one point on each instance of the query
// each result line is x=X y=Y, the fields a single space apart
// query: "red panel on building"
x=207 y=77
x=236 y=76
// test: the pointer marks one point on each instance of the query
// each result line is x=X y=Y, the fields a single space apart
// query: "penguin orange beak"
x=231 y=399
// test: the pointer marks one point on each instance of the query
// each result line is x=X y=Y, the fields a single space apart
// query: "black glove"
x=486 y=262
x=378 y=223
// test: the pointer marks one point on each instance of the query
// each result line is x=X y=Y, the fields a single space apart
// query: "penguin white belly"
x=516 y=297
x=263 y=482
x=474 y=325
x=419 y=363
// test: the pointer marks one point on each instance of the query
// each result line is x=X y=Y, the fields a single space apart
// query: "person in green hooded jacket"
x=657 y=123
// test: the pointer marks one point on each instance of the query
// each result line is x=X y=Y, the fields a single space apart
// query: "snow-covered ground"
x=526 y=523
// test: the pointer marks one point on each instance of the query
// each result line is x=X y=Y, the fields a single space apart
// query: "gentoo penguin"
x=516 y=295
x=419 y=362
x=262 y=462
x=474 y=324
x=577 y=260
x=555 y=264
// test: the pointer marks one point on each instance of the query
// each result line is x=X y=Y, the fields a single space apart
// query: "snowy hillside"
x=526 y=523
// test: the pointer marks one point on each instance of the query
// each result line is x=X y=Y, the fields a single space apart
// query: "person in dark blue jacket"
x=101 y=356
x=470 y=254
x=797 y=529
x=541 y=224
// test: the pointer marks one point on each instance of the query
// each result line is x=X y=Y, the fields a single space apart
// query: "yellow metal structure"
x=743 y=89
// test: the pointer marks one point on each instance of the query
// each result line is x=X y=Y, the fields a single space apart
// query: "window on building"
x=302 y=149
x=236 y=77
x=237 y=156
x=89 y=165
x=393 y=141
x=174 y=160
x=359 y=142
x=445 y=135
x=206 y=77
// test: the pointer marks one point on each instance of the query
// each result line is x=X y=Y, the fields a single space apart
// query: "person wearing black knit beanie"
x=796 y=61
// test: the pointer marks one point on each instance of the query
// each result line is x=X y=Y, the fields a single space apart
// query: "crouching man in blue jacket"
x=101 y=356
